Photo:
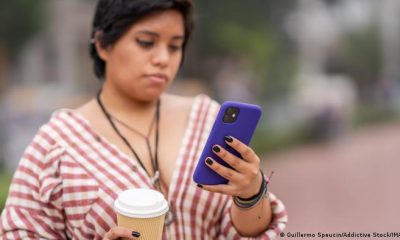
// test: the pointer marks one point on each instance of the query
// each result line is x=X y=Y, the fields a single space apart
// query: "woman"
x=133 y=135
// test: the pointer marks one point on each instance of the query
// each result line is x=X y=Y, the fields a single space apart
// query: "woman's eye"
x=175 y=47
x=144 y=43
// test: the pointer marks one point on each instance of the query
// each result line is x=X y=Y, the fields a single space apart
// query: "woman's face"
x=145 y=60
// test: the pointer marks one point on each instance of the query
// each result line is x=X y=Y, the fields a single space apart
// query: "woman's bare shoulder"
x=89 y=110
x=172 y=101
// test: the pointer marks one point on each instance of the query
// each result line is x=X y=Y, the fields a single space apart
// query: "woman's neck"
x=127 y=108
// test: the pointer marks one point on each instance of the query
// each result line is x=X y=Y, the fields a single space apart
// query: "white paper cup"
x=142 y=210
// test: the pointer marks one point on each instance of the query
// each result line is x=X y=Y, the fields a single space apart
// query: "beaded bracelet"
x=246 y=203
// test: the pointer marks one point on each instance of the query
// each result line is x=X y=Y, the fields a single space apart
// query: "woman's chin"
x=150 y=96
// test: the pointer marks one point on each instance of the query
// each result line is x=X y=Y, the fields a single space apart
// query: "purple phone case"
x=242 y=129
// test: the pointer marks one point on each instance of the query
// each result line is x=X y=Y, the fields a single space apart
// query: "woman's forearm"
x=252 y=222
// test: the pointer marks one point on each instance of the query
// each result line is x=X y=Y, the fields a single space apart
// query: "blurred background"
x=327 y=73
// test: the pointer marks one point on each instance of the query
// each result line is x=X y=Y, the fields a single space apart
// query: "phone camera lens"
x=231 y=114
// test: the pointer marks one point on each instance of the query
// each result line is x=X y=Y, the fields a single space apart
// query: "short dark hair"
x=113 y=18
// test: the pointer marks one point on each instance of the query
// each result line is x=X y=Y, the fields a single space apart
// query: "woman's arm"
x=259 y=216
x=245 y=180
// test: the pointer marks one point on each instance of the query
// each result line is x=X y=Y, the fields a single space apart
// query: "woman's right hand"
x=121 y=232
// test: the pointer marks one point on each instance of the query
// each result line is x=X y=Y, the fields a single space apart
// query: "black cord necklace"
x=154 y=160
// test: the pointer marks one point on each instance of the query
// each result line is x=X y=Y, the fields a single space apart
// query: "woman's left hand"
x=245 y=177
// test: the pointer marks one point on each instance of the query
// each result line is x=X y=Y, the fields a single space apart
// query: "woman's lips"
x=157 y=78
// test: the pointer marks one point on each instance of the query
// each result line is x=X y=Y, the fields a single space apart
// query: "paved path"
x=347 y=185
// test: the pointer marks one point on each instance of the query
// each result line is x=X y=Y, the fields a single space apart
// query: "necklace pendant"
x=155 y=178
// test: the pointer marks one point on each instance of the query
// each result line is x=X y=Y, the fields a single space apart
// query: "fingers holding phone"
x=244 y=178
x=233 y=119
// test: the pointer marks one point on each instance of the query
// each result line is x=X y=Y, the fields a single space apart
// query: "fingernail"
x=209 y=161
x=199 y=185
x=216 y=149
x=135 y=234
x=229 y=139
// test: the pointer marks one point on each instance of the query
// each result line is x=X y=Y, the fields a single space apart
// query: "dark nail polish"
x=209 y=161
x=135 y=234
x=229 y=139
x=199 y=185
x=216 y=149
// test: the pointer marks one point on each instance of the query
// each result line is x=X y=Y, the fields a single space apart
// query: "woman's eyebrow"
x=149 y=33
x=178 y=38
x=154 y=34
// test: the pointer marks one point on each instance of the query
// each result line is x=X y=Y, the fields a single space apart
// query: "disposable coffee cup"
x=142 y=210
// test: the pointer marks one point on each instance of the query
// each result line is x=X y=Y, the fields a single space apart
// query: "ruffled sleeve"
x=34 y=205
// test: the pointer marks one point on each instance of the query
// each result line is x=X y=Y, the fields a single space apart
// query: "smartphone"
x=234 y=119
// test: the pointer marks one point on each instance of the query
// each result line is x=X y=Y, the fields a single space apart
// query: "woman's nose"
x=161 y=56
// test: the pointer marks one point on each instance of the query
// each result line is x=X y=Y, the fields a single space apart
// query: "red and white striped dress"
x=69 y=176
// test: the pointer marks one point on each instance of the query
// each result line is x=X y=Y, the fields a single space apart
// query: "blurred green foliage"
x=361 y=57
x=251 y=30
x=367 y=114
x=5 y=180
x=254 y=30
x=267 y=140
x=19 y=19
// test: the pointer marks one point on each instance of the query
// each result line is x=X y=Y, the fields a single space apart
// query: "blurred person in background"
x=134 y=135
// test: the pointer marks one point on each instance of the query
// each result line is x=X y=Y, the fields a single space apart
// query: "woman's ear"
x=102 y=52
